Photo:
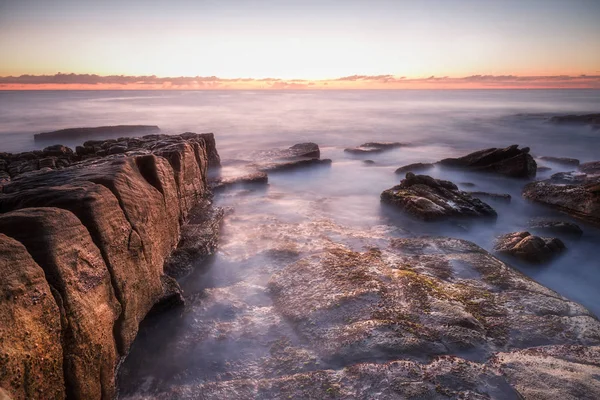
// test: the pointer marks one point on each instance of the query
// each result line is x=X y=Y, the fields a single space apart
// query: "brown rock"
x=74 y=267
x=30 y=332
x=416 y=167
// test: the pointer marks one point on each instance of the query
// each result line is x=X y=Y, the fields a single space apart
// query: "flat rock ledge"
x=510 y=161
x=374 y=147
x=82 y=255
x=101 y=132
x=576 y=193
x=530 y=248
x=433 y=199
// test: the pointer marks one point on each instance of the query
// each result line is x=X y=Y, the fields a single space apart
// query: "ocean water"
x=228 y=326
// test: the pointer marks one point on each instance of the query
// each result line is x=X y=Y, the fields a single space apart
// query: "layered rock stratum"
x=82 y=254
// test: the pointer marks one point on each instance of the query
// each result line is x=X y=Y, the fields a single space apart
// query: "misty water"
x=228 y=329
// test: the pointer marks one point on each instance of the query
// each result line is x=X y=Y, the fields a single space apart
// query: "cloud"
x=93 y=81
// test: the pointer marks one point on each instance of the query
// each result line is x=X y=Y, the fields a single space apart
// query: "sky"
x=256 y=43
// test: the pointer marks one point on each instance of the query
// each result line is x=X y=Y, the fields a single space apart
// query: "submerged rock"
x=293 y=165
x=577 y=194
x=250 y=178
x=527 y=247
x=374 y=147
x=433 y=199
x=555 y=227
x=416 y=167
x=510 y=161
x=493 y=196
x=562 y=160
x=586 y=119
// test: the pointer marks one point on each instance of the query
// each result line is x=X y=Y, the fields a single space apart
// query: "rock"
x=74 y=267
x=493 y=196
x=30 y=333
x=585 y=119
x=416 y=167
x=562 y=160
x=527 y=247
x=577 y=194
x=100 y=131
x=590 y=168
x=368 y=162
x=420 y=299
x=252 y=178
x=374 y=147
x=467 y=184
x=432 y=199
x=304 y=150
x=510 y=161
x=293 y=165
x=49 y=162
x=58 y=150
x=199 y=239
x=214 y=160
x=101 y=230
x=555 y=227
x=543 y=168
x=117 y=149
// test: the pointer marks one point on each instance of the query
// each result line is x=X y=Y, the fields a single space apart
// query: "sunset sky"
x=299 y=44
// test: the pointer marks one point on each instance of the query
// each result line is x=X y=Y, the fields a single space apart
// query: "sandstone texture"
x=575 y=193
x=510 y=161
x=555 y=227
x=89 y=244
x=433 y=199
x=528 y=247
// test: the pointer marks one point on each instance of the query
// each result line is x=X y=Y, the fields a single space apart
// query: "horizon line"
x=72 y=81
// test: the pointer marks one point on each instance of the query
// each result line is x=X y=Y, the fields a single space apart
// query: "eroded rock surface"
x=555 y=227
x=528 y=247
x=510 y=161
x=592 y=168
x=433 y=199
x=101 y=230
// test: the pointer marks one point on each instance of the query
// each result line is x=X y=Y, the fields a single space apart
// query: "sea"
x=302 y=211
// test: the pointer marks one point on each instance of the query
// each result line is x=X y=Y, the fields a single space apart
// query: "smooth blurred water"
x=228 y=325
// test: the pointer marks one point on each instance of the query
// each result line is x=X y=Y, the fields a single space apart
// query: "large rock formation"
x=577 y=194
x=99 y=233
x=510 y=161
x=433 y=199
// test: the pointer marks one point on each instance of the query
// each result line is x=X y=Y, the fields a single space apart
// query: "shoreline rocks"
x=433 y=199
x=562 y=160
x=99 y=232
x=416 y=167
x=582 y=119
x=492 y=196
x=510 y=161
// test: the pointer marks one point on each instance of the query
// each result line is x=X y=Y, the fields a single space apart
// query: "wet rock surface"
x=575 y=193
x=492 y=196
x=510 y=161
x=432 y=199
x=528 y=247
x=592 y=168
x=99 y=232
x=374 y=147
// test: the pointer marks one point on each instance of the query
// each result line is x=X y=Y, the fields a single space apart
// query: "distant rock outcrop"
x=416 y=167
x=585 y=119
x=433 y=199
x=562 y=160
x=96 y=236
x=510 y=161
x=99 y=132
x=374 y=147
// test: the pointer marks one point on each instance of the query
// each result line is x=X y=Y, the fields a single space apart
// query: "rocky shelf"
x=82 y=250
